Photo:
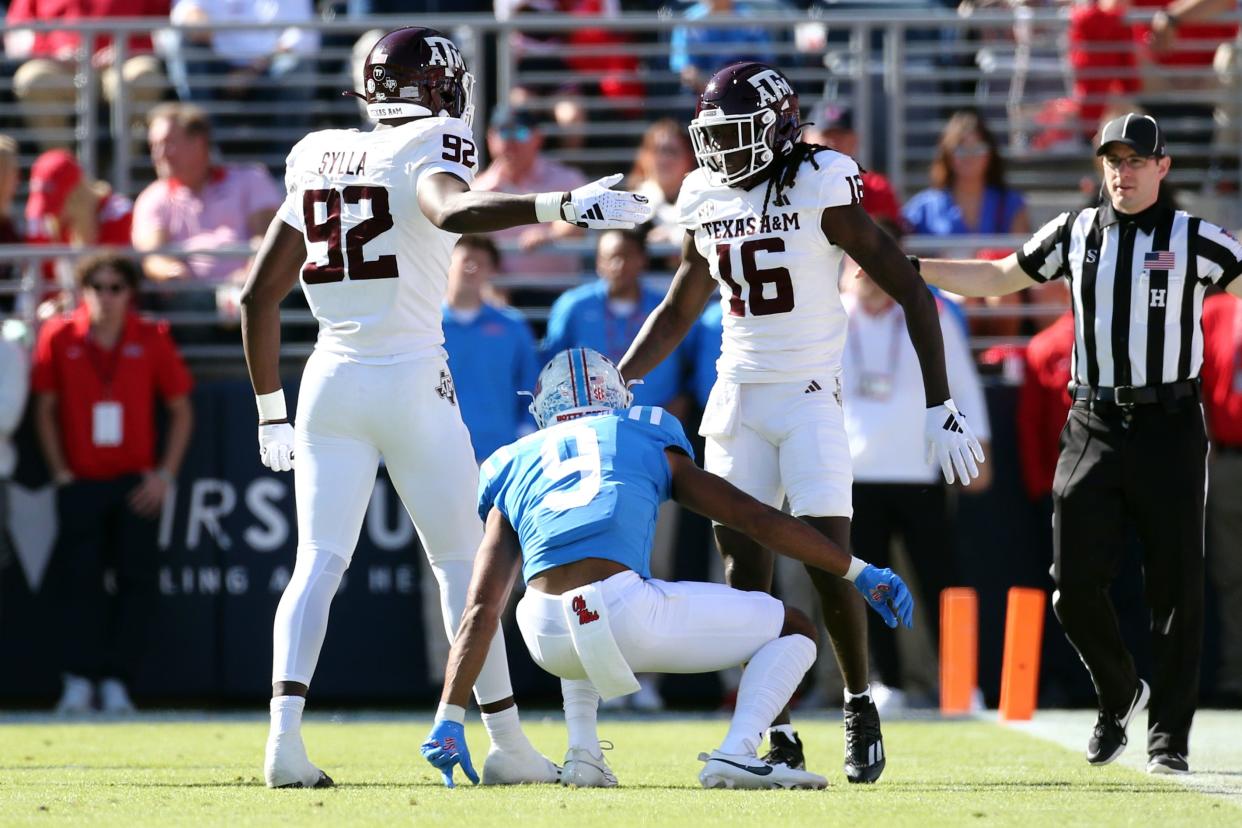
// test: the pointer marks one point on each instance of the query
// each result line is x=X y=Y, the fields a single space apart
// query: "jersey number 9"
x=757 y=278
x=353 y=263
x=585 y=462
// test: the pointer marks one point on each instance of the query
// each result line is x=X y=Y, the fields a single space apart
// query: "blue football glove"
x=887 y=594
x=446 y=747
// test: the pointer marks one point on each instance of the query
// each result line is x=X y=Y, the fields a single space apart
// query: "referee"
x=1134 y=446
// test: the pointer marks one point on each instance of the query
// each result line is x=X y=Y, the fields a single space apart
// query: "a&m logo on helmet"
x=771 y=86
x=444 y=53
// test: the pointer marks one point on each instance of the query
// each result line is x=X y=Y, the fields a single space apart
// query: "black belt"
x=1129 y=395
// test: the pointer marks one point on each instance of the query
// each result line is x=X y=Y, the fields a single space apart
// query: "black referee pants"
x=1148 y=467
x=104 y=633
x=919 y=515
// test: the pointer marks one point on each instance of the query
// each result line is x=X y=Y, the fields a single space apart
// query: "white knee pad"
x=454 y=578
x=302 y=615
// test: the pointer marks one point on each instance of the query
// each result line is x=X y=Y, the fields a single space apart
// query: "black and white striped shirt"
x=1137 y=284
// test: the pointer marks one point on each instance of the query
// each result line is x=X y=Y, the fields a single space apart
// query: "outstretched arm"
x=716 y=498
x=976 y=277
x=669 y=323
x=495 y=569
x=851 y=229
x=450 y=204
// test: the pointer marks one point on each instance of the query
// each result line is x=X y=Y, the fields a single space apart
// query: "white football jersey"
x=778 y=274
x=376 y=269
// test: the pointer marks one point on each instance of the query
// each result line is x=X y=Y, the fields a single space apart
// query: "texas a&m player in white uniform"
x=368 y=225
x=768 y=220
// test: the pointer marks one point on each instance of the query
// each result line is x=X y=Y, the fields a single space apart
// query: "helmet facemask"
x=732 y=148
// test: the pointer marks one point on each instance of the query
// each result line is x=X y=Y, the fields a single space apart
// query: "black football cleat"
x=864 y=744
x=783 y=750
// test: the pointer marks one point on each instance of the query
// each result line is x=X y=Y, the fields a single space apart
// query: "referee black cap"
x=1139 y=132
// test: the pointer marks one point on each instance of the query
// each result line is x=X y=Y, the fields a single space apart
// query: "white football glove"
x=952 y=443
x=596 y=206
x=276 y=446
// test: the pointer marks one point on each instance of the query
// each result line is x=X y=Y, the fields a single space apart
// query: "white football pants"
x=350 y=414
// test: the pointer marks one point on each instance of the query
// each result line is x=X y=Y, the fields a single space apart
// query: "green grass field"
x=161 y=772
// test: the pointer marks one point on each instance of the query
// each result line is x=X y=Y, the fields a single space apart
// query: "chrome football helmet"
x=577 y=382
x=747 y=117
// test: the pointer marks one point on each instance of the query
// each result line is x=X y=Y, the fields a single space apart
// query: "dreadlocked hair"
x=785 y=171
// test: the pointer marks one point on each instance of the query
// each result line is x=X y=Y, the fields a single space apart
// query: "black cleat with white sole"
x=864 y=744
x=1168 y=762
x=783 y=750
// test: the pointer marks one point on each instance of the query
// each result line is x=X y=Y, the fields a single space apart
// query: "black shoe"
x=1168 y=762
x=783 y=750
x=1108 y=739
x=864 y=744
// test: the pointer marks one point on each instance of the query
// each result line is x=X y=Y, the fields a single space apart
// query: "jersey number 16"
x=355 y=239
x=757 y=278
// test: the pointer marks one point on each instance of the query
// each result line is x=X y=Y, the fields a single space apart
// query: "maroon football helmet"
x=747 y=117
x=416 y=73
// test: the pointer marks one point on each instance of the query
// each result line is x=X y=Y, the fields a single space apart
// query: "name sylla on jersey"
x=343 y=163
x=736 y=228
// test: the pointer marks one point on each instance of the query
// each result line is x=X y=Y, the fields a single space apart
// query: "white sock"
x=505 y=730
x=865 y=694
x=581 y=714
x=287 y=714
x=768 y=682
x=493 y=683
x=302 y=615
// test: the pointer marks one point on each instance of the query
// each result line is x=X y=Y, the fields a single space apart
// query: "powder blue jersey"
x=585 y=488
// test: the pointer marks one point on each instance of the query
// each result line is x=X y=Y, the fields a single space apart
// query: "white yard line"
x=1215 y=746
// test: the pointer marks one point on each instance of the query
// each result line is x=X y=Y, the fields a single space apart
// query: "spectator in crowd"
x=67 y=207
x=1180 y=48
x=607 y=315
x=45 y=82
x=198 y=203
x=664 y=158
x=518 y=166
x=969 y=196
x=14 y=385
x=1222 y=402
x=832 y=125
x=1101 y=52
x=491 y=350
x=896 y=492
x=96 y=376
x=1043 y=405
x=697 y=53
x=10 y=232
x=268 y=65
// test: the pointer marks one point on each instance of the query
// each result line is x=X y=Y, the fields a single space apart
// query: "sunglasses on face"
x=108 y=287
x=1130 y=162
x=520 y=133
x=975 y=151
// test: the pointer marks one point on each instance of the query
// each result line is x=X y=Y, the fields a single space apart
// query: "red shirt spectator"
x=1198 y=40
x=143 y=363
x=1222 y=369
x=61 y=43
x=1044 y=403
x=65 y=207
x=1098 y=70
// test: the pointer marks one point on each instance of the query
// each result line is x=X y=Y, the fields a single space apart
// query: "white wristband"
x=451 y=713
x=272 y=406
x=548 y=206
x=857 y=565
